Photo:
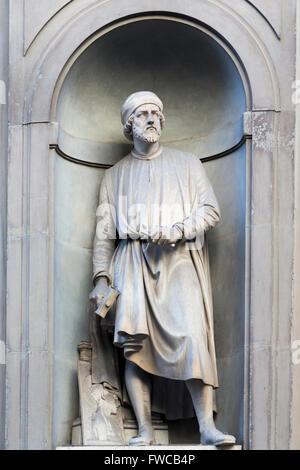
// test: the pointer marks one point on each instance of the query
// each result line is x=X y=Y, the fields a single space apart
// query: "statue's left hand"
x=165 y=236
x=99 y=291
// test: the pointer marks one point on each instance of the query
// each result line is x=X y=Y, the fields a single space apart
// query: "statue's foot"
x=144 y=438
x=213 y=437
x=140 y=441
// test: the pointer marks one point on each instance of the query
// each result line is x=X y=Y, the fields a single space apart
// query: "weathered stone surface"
x=37 y=14
x=100 y=411
x=4 y=74
x=157 y=448
x=271 y=11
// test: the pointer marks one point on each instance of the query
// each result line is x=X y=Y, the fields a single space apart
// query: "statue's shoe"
x=141 y=441
x=214 y=437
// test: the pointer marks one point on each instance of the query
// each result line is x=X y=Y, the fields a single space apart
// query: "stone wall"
x=295 y=405
x=3 y=201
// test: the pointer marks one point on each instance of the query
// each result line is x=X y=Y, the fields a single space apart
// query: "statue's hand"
x=99 y=291
x=164 y=236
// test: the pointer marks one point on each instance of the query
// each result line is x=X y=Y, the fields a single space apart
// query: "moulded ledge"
x=160 y=448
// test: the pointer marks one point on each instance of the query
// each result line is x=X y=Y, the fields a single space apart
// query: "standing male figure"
x=159 y=203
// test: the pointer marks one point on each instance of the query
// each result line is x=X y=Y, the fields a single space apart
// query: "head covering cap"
x=138 y=99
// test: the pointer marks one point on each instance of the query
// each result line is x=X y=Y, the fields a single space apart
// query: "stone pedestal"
x=130 y=430
x=179 y=448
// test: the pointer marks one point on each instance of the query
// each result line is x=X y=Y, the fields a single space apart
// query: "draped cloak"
x=163 y=318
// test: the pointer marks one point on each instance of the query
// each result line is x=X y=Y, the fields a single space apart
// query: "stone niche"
x=204 y=102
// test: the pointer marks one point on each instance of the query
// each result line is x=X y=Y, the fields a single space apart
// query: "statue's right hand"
x=99 y=291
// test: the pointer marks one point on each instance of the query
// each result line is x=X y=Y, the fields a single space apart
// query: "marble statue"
x=155 y=207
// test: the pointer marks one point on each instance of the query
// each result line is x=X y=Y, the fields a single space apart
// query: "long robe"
x=163 y=318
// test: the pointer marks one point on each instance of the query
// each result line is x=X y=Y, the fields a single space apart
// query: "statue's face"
x=146 y=124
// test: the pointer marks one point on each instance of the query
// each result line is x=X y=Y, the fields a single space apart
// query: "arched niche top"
x=233 y=32
x=195 y=77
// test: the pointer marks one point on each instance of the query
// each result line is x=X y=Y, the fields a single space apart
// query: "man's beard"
x=150 y=137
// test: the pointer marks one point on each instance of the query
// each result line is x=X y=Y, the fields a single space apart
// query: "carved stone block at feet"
x=212 y=436
x=100 y=407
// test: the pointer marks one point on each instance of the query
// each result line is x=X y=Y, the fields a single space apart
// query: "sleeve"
x=205 y=212
x=105 y=236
